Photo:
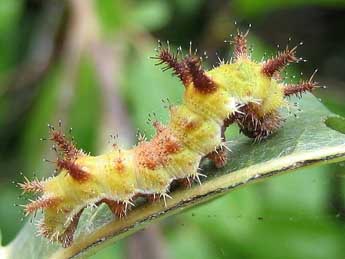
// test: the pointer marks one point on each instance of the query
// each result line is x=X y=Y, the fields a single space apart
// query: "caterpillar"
x=242 y=91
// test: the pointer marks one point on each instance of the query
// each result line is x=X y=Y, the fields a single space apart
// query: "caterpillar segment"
x=244 y=92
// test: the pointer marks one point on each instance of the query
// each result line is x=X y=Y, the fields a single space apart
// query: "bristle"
x=65 y=145
x=201 y=81
x=298 y=89
x=34 y=186
x=179 y=67
x=43 y=202
x=73 y=169
x=240 y=45
x=276 y=64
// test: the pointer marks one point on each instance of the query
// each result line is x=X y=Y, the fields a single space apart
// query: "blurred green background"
x=87 y=63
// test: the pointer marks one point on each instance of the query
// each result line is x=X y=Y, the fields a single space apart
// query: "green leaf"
x=304 y=140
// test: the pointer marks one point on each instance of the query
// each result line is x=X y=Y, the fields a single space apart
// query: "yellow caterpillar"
x=242 y=91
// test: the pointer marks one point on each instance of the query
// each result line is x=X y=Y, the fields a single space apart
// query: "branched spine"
x=171 y=60
x=302 y=87
x=276 y=64
x=201 y=81
x=240 y=45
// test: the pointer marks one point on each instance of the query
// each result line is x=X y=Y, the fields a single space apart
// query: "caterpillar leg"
x=256 y=127
x=152 y=197
x=184 y=182
x=118 y=208
x=220 y=156
x=66 y=238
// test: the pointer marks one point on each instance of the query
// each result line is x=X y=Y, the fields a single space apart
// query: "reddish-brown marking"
x=154 y=153
x=73 y=169
x=119 y=165
x=201 y=81
x=189 y=124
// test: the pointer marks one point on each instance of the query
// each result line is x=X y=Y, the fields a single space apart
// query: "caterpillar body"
x=242 y=91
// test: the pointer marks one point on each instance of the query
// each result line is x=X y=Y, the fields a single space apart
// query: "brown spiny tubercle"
x=188 y=69
x=73 y=169
x=240 y=45
x=241 y=91
x=274 y=65
x=202 y=82
x=34 y=186
x=66 y=146
x=172 y=62
x=41 y=203
x=299 y=89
